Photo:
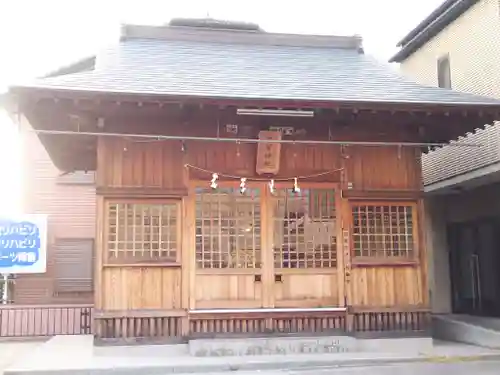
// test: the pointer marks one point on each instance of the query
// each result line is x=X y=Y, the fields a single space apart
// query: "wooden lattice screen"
x=383 y=230
x=228 y=228
x=305 y=229
x=143 y=232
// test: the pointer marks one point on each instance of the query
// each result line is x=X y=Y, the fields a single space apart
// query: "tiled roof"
x=226 y=68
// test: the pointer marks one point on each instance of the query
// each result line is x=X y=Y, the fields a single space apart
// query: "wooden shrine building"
x=250 y=182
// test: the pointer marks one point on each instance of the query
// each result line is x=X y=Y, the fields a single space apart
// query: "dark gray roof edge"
x=183 y=33
x=489 y=102
x=213 y=23
x=431 y=26
x=426 y=22
x=84 y=64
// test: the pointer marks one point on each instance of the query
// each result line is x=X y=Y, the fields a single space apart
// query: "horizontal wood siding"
x=71 y=210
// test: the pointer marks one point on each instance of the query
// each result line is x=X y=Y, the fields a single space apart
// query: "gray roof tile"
x=251 y=71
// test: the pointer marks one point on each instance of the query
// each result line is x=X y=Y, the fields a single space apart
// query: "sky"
x=39 y=36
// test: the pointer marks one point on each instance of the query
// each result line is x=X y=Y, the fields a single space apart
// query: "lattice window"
x=228 y=228
x=305 y=229
x=143 y=232
x=383 y=230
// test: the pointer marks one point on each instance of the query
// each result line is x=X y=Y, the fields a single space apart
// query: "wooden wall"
x=161 y=164
x=384 y=168
x=138 y=168
x=123 y=163
x=386 y=286
x=133 y=288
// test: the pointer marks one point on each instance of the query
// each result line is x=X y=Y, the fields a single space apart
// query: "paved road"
x=462 y=368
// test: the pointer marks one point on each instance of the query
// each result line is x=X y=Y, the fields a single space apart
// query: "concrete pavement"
x=463 y=368
x=76 y=355
x=11 y=351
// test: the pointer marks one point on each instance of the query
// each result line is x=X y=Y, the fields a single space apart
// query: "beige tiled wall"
x=473 y=44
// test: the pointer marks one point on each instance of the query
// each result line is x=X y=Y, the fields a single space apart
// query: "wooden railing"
x=414 y=319
x=266 y=323
x=139 y=324
x=45 y=320
x=50 y=320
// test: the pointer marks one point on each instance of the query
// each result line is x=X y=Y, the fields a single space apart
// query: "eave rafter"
x=83 y=112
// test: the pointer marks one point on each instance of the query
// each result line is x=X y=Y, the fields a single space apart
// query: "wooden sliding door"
x=229 y=243
x=304 y=242
x=266 y=249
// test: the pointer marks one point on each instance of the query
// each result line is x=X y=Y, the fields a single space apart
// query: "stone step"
x=465 y=330
x=304 y=345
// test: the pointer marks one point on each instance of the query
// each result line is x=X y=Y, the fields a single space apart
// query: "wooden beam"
x=389 y=309
x=383 y=194
x=35 y=94
x=140 y=192
x=140 y=313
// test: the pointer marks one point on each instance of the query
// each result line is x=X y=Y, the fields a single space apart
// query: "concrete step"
x=305 y=345
x=142 y=351
x=466 y=329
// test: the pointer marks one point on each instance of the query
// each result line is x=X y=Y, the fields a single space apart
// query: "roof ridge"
x=238 y=36
x=213 y=23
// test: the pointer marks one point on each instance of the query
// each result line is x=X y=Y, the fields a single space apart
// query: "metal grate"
x=143 y=232
x=228 y=228
x=73 y=258
x=305 y=229
x=383 y=230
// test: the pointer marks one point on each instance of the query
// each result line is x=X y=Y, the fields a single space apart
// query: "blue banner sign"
x=23 y=244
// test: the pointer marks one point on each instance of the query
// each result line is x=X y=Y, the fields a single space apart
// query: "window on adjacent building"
x=74 y=259
x=444 y=72
x=76 y=178
x=143 y=232
x=384 y=230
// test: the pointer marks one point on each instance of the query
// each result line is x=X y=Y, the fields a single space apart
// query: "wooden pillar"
x=423 y=258
x=188 y=259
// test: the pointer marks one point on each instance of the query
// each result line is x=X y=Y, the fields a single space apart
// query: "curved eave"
x=71 y=153
x=489 y=105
